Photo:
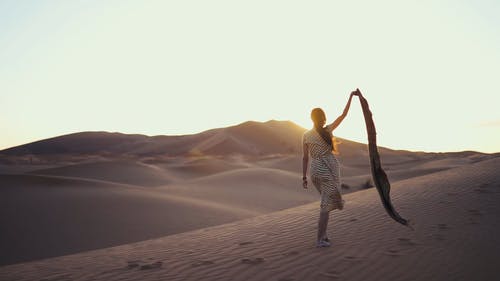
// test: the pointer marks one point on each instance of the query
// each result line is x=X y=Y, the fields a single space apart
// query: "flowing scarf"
x=378 y=174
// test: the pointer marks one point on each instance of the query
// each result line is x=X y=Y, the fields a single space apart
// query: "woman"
x=325 y=173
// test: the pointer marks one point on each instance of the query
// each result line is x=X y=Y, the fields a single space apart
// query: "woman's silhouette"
x=324 y=169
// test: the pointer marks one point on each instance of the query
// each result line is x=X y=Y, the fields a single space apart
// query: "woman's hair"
x=319 y=118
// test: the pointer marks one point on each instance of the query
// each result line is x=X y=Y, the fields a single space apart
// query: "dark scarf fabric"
x=378 y=174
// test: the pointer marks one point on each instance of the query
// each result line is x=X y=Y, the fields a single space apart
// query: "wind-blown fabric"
x=378 y=174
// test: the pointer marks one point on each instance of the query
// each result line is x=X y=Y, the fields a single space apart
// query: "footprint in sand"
x=252 y=261
x=393 y=253
x=292 y=253
x=132 y=264
x=475 y=212
x=154 y=265
x=200 y=263
x=406 y=242
x=353 y=219
x=353 y=258
x=442 y=226
x=286 y=279
x=245 y=243
x=437 y=236
x=330 y=274
x=58 y=277
x=481 y=190
x=473 y=222
x=484 y=188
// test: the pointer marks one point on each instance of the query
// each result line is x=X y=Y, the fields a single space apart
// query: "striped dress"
x=324 y=170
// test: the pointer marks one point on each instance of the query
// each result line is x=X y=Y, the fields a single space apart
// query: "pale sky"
x=429 y=69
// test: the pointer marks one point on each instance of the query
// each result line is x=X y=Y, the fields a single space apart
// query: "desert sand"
x=454 y=214
x=227 y=205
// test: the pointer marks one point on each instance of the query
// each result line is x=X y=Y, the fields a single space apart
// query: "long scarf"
x=378 y=174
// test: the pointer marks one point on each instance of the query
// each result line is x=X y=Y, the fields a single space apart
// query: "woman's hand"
x=356 y=93
x=339 y=119
x=304 y=183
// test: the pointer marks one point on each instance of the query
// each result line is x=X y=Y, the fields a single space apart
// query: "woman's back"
x=317 y=146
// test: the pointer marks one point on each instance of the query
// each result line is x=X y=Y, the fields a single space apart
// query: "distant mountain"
x=80 y=143
x=249 y=138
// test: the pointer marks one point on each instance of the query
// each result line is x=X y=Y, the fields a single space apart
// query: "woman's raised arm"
x=339 y=119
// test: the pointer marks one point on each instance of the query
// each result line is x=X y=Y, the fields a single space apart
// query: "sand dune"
x=92 y=190
x=50 y=216
x=82 y=143
x=259 y=189
x=454 y=213
x=195 y=167
x=80 y=208
x=249 y=138
x=130 y=172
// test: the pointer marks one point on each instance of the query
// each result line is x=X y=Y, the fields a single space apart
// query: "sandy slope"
x=92 y=190
x=130 y=172
x=259 y=189
x=455 y=215
x=92 y=205
x=50 y=216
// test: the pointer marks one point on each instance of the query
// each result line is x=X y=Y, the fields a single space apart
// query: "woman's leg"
x=323 y=215
x=326 y=225
x=322 y=224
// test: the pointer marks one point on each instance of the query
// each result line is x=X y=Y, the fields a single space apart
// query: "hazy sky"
x=429 y=69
